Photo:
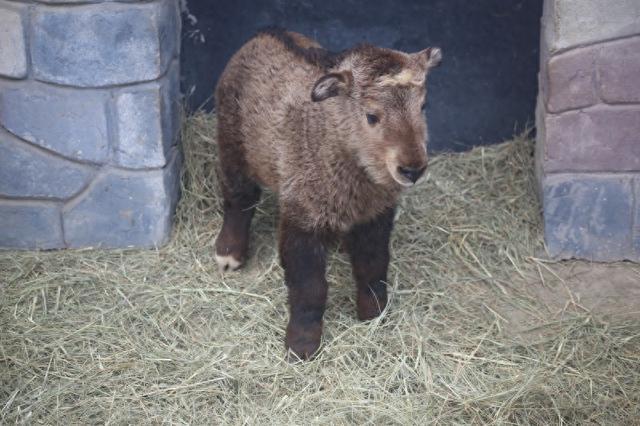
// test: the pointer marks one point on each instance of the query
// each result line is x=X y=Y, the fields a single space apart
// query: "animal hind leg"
x=241 y=195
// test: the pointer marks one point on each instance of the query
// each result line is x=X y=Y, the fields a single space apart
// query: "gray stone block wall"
x=89 y=123
x=588 y=120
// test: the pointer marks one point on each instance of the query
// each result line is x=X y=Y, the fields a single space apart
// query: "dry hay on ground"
x=151 y=336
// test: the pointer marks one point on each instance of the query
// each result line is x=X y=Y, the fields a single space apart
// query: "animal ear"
x=430 y=57
x=434 y=56
x=332 y=84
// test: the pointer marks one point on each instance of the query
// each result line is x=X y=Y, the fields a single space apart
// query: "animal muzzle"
x=406 y=169
x=412 y=174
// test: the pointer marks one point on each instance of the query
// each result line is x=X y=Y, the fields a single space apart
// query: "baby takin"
x=337 y=136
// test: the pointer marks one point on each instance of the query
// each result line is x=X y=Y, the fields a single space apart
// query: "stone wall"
x=588 y=120
x=89 y=123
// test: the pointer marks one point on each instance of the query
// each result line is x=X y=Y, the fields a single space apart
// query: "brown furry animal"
x=337 y=136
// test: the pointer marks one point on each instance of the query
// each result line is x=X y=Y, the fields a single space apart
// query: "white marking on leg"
x=227 y=263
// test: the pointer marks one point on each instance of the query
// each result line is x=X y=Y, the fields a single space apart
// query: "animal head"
x=381 y=95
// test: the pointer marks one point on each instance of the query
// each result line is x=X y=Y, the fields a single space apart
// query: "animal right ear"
x=332 y=84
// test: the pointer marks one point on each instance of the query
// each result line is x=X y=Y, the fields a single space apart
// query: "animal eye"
x=372 y=119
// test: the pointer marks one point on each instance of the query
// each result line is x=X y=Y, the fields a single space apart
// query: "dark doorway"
x=483 y=93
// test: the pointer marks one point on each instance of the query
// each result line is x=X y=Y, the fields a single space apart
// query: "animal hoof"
x=371 y=305
x=303 y=350
x=304 y=344
x=368 y=314
x=227 y=263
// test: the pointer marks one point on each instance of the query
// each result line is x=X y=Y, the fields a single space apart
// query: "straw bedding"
x=160 y=336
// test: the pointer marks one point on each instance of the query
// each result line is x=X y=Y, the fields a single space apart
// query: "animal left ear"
x=332 y=84
x=430 y=57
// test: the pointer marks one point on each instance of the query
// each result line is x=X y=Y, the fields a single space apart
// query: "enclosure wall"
x=588 y=121
x=89 y=122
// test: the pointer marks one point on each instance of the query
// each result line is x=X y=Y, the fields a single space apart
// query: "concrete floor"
x=609 y=292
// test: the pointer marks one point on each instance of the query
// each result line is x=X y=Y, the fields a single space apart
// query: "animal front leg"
x=303 y=257
x=368 y=248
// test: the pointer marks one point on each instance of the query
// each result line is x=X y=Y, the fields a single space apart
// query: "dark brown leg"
x=232 y=243
x=303 y=257
x=240 y=193
x=368 y=248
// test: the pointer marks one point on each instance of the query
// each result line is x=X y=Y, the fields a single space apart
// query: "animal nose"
x=411 y=173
